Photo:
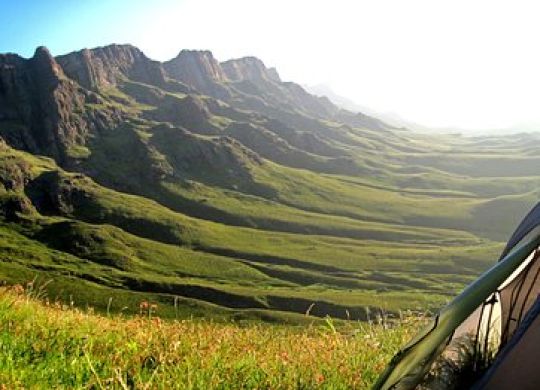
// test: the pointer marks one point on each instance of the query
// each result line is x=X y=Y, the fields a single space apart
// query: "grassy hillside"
x=87 y=237
x=240 y=197
x=305 y=239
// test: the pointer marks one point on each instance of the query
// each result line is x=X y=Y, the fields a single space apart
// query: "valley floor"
x=52 y=345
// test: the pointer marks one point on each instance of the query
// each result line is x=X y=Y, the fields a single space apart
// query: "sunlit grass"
x=46 y=344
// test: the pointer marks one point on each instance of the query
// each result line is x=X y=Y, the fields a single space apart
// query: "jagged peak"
x=103 y=65
x=249 y=68
x=9 y=59
x=195 y=52
x=274 y=74
x=199 y=69
x=116 y=50
x=187 y=59
x=42 y=51
x=45 y=63
x=246 y=59
x=119 y=46
x=113 y=52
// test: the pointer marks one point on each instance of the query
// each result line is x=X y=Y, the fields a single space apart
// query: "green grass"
x=225 y=185
x=287 y=260
x=53 y=345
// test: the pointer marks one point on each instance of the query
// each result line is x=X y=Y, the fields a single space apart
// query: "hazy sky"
x=473 y=64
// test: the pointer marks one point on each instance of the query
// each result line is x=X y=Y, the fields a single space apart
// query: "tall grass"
x=49 y=344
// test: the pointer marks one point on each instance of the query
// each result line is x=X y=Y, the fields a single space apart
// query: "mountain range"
x=219 y=190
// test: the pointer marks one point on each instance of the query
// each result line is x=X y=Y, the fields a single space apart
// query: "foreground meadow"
x=54 y=345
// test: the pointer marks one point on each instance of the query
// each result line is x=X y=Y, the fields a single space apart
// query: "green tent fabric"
x=505 y=290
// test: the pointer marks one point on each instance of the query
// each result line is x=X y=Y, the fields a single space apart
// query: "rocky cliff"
x=55 y=106
x=249 y=68
x=104 y=66
x=200 y=70
x=40 y=107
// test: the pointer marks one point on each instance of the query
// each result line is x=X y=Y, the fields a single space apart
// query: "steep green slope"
x=230 y=184
x=69 y=221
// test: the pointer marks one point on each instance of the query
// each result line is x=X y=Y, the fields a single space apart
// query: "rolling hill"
x=222 y=191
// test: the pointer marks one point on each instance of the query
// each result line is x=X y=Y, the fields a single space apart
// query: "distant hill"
x=219 y=189
x=393 y=119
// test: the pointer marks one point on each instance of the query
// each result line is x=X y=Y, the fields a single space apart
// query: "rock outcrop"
x=249 y=68
x=104 y=66
x=189 y=112
x=39 y=105
x=250 y=75
x=55 y=106
x=200 y=70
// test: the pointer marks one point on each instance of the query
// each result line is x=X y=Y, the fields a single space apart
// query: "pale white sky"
x=472 y=64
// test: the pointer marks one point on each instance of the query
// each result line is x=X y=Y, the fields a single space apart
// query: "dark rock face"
x=54 y=106
x=104 y=66
x=43 y=103
x=200 y=70
x=13 y=81
x=51 y=193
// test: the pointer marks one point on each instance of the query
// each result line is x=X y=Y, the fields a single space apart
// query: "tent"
x=489 y=334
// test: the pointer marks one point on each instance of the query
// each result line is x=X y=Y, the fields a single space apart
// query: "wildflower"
x=143 y=306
